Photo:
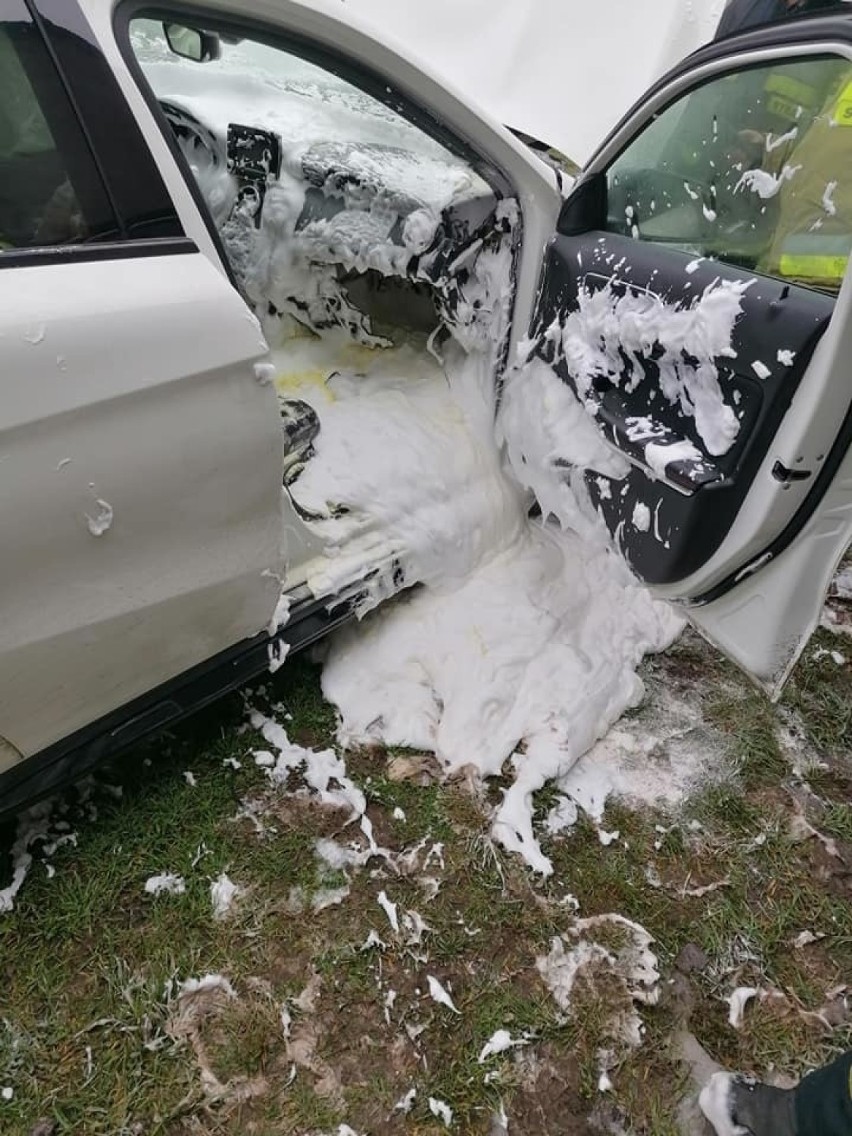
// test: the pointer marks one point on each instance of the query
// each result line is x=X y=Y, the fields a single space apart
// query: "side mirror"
x=193 y=43
x=584 y=211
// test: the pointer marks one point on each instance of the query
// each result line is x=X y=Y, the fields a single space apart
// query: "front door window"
x=751 y=168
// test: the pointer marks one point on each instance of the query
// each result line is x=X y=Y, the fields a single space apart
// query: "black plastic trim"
x=50 y=47
x=585 y=208
x=688 y=530
x=117 y=732
x=72 y=156
x=106 y=250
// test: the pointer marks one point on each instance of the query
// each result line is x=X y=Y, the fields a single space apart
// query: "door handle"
x=787 y=476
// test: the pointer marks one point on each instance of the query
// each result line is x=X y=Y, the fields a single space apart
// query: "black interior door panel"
x=682 y=518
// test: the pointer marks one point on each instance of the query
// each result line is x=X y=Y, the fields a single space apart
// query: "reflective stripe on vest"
x=787 y=97
x=813 y=267
x=815 y=256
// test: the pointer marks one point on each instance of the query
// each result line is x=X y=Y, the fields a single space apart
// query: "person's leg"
x=740 y=1106
x=824 y=1100
x=821 y=1105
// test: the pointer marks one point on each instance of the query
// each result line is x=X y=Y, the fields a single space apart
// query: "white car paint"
x=199 y=536
x=128 y=389
x=563 y=71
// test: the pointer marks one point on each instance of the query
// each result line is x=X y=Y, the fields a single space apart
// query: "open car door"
x=696 y=300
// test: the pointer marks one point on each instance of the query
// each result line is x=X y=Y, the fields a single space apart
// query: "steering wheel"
x=200 y=145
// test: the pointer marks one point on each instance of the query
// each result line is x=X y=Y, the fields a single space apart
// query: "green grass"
x=821 y=694
x=88 y=1036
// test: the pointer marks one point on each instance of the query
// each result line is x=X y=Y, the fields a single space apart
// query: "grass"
x=821 y=695
x=91 y=1040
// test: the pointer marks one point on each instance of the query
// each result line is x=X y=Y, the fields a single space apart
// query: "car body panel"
x=150 y=456
x=155 y=466
x=764 y=623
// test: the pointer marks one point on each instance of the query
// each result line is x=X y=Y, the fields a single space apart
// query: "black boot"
x=739 y=1106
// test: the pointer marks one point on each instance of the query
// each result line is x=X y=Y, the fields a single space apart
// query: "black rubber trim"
x=107 y=250
x=50 y=770
x=50 y=48
x=801 y=517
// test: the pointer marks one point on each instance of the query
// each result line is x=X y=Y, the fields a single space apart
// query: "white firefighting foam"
x=523 y=643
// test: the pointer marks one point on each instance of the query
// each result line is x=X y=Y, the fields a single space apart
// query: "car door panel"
x=764 y=622
x=140 y=461
x=693 y=503
x=746 y=535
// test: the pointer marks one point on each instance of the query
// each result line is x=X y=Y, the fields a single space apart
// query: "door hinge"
x=787 y=476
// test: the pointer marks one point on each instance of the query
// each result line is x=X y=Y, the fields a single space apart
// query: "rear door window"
x=51 y=192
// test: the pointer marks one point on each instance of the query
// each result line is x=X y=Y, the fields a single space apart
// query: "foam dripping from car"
x=520 y=648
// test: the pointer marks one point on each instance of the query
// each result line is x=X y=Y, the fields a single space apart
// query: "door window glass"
x=752 y=168
x=50 y=189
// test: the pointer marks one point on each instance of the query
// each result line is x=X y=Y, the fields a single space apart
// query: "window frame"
x=344 y=66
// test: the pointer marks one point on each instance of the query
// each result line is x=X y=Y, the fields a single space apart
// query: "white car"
x=214 y=220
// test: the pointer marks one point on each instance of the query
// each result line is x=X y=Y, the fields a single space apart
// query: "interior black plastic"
x=688 y=522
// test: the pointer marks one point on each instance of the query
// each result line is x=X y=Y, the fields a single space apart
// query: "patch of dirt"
x=548 y=1100
x=303 y=1051
x=301 y=812
x=385 y=830
x=686 y=666
x=419 y=768
x=308 y=736
x=194 y=1020
x=287 y=969
x=835 y=781
x=832 y=870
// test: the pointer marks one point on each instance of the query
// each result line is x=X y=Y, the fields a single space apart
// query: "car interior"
x=356 y=233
